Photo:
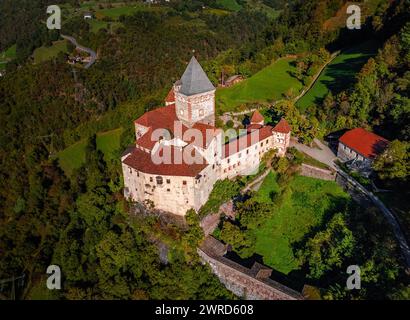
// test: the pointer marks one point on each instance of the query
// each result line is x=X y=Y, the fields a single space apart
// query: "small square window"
x=168 y=181
x=184 y=183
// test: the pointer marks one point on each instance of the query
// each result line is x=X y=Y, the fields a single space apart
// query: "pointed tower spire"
x=194 y=80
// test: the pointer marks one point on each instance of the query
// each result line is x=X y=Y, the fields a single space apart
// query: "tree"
x=394 y=162
x=328 y=248
x=241 y=240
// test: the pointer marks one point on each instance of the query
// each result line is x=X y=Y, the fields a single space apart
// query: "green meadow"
x=6 y=56
x=339 y=74
x=73 y=157
x=115 y=12
x=230 y=5
x=271 y=83
x=305 y=204
x=46 y=53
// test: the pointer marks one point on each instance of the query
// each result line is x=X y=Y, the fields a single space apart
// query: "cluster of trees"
x=82 y=225
x=354 y=236
x=309 y=65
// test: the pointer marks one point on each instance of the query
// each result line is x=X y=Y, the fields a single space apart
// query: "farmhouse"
x=360 y=145
x=233 y=80
x=179 y=154
x=88 y=15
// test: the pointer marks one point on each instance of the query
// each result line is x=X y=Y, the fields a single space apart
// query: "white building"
x=360 y=146
x=179 y=154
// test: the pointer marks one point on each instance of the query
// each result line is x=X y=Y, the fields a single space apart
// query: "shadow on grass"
x=294 y=280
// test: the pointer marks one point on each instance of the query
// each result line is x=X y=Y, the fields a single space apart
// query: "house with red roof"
x=179 y=154
x=360 y=145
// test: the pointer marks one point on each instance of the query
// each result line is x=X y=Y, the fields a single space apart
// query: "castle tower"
x=195 y=96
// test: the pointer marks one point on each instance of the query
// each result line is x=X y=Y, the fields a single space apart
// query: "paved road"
x=324 y=154
x=391 y=219
x=91 y=52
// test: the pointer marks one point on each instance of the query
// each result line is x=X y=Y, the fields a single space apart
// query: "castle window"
x=247 y=151
x=229 y=160
x=130 y=170
x=213 y=166
x=151 y=179
x=184 y=182
x=159 y=180
x=168 y=190
x=168 y=181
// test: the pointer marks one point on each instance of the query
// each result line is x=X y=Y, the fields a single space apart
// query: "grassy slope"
x=268 y=84
x=231 y=5
x=6 y=56
x=339 y=74
x=303 y=208
x=116 y=12
x=46 y=53
x=74 y=156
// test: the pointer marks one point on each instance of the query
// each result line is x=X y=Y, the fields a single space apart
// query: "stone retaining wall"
x=250 y=284
x=318 y=173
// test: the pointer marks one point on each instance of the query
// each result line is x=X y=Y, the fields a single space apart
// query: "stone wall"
x=318 y=173
x=250 y=284
x=209 y=223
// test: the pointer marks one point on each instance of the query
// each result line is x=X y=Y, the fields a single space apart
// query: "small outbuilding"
x=360 y=145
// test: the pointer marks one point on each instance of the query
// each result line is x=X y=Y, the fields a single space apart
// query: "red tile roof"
x=162 y=117
x=282 y=126
x=144 y=162
x=364 y=142
x=254 y=126
x=166 y=118
x=245 y=141
x=257 y=117
x=145 y=141
x=171 y=96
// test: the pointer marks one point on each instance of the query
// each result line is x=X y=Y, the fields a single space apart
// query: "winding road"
x=93 y=55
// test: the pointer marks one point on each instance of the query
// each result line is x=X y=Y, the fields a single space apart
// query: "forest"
x=81 y=221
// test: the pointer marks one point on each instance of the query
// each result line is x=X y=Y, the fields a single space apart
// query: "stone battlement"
x=251 y=284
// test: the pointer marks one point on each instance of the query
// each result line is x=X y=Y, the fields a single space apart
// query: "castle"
x=179 y=154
